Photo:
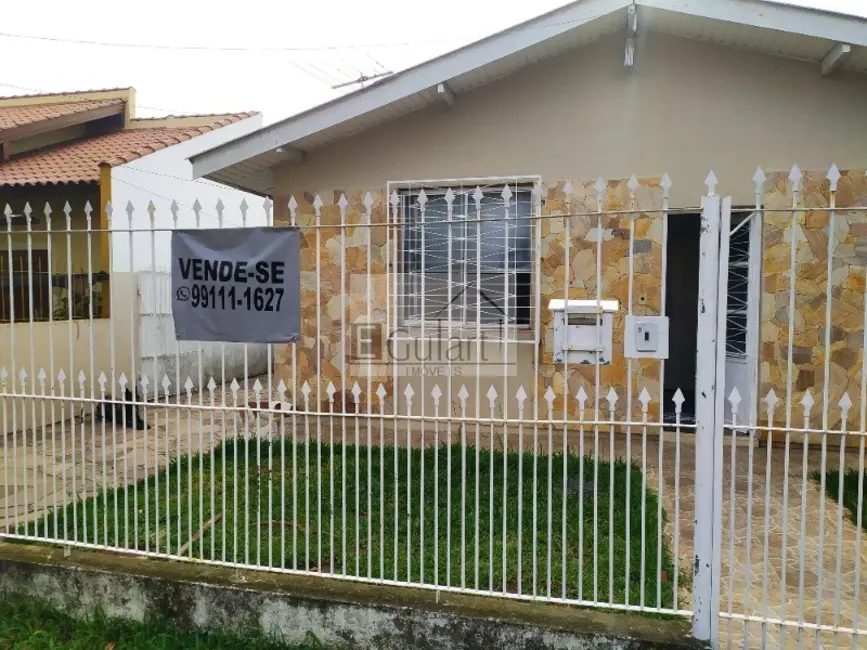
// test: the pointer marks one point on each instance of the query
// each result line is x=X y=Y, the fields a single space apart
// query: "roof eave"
x=777 y=16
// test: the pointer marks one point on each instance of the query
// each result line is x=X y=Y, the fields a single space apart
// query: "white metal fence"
x=365 y=452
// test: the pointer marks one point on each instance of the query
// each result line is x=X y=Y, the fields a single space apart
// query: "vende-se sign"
x=239 y=285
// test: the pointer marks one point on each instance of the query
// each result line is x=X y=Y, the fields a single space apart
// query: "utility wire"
x=321 y=48
x=213 y=48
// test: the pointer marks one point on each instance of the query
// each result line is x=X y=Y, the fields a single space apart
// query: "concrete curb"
x=337 y=612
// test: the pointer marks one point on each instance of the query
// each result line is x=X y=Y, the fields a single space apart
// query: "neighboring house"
x=79 y=298
x=598 y=88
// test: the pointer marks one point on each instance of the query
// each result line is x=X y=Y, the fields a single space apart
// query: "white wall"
x=144 y=255
x=161 y=354
x=164 y=176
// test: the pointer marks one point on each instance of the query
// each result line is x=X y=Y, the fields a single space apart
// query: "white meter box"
x=646 y=337
x=583 y=330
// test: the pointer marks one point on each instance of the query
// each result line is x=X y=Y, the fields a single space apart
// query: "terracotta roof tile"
x=15 y=116
x=78 y=161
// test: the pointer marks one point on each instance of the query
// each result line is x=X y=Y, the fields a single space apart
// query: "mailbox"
x=583 y=330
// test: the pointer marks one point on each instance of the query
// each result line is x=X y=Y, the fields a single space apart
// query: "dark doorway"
x=681 y=291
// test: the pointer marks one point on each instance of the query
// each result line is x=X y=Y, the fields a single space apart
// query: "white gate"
x=785 y=540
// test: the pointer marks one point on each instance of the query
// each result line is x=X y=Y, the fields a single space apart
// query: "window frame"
x=490 y=186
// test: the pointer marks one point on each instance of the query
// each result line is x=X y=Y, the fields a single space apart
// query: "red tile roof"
x=15 y=116
x=78 y=161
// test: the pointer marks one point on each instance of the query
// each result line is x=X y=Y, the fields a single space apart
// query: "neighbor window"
x=473 y=269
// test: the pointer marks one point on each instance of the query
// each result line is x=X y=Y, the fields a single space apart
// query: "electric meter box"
x=583 y=330
x=646 y=337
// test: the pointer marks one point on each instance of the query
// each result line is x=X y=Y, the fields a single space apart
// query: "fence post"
x=710 y=370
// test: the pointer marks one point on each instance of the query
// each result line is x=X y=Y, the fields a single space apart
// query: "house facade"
x=603 y=120
x=80 y=289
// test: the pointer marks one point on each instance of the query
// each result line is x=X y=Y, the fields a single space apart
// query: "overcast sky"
x=348 y=39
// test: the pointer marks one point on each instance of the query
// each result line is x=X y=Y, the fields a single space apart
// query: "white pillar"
x=709 y=386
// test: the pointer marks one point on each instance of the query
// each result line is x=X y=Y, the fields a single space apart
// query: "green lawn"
x=31 y=625
x=851 y=479
x=415 y=535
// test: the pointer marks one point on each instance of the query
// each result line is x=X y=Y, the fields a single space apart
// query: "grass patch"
x=384 y=512
x=851 y=482
x=33 y=625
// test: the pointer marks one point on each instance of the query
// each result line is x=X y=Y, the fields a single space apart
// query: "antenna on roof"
x=363 y=79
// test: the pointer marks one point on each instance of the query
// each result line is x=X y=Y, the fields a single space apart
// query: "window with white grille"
x=473 y=268
x=738 y=293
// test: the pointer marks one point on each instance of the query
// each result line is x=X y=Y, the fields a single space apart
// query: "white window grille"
x=738 y=292
x=473 y=269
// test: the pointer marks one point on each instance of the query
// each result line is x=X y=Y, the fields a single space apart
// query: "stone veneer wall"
x=848 y=283
x=358 y=239
x=849 y=249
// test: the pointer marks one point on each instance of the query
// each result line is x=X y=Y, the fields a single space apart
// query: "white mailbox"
x=582 y=330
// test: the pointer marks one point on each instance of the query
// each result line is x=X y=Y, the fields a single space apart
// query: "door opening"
x=681 y=291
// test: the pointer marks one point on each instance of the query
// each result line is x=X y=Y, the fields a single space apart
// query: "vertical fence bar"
x=794 y=179
x=600 y=188
x=293 y=206
x=408 y=393
x=33 y=371
x=507 y=194
x=632 y=184
x=450 y=212
x=381 y=391
x=356 y=395
x=732 y=520
x=859 y=506
x=477 y=198
x=52 y=377
x=236 y=461
x=833 y=177
x=492 y=399
x=368 y=298
x=114 y=380
x=342 y=203
x=436 y=393
x=425 y=348
x=13 y=361
x=462 y=395
x=317 y=208
x=678 y=400
x=771 y=402
x=223 y=437
x=845 y=404
x=246 y=417
x=665 y=183
x=807 y=402
x=611 y=398
x=537 y=336
x=395 y=201
x=3 y=375
x=567 y=285
x=707 y=520
x=67 y=212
